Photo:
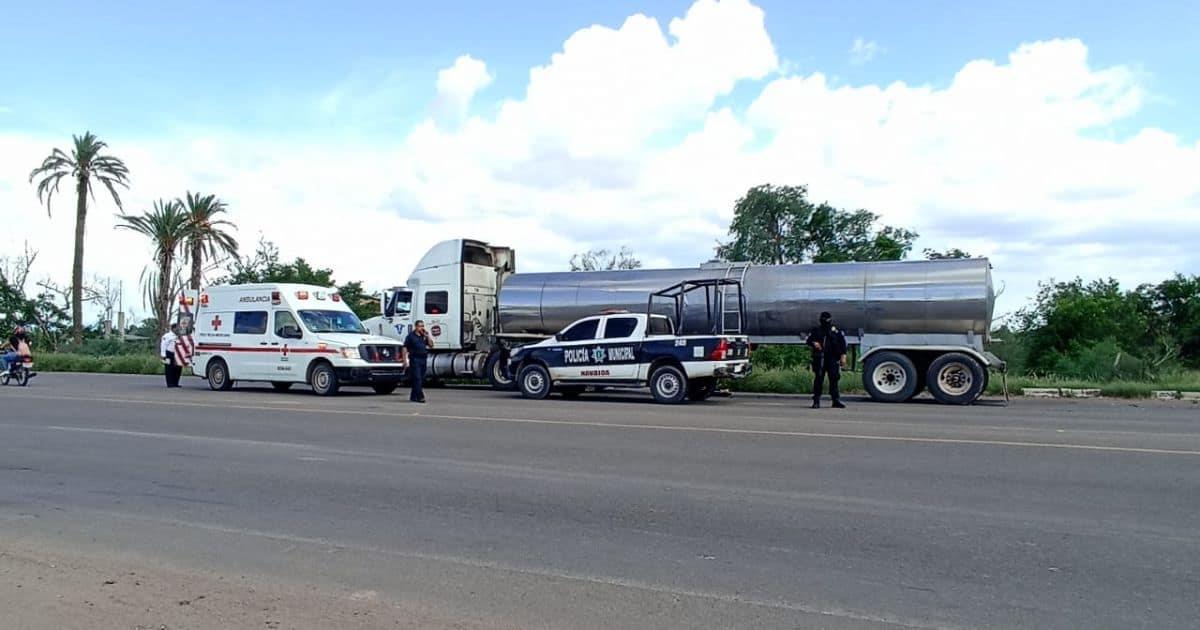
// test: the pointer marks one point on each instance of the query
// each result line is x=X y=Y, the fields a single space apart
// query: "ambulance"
x=285 y=334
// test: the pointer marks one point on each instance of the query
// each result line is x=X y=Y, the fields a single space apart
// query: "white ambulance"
x=285 y=334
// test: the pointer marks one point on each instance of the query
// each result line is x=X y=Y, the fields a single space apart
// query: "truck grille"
x=380 y=353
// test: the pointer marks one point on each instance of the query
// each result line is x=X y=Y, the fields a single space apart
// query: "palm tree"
x=205 y=236
x=167 y=227
x=85 y=165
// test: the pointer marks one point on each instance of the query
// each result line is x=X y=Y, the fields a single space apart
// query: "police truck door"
x=621 y=343
x=577 y=345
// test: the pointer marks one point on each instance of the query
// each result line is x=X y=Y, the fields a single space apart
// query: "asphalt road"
x=613 y=512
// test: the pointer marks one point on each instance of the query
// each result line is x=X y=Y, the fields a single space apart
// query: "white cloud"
x=863 y=50
x=618 y=140
x=458 y=84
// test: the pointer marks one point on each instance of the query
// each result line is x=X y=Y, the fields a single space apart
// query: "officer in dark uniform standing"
x=828 y=357
x=416 y=353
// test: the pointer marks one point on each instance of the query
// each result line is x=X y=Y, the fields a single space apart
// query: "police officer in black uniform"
x=828 y=357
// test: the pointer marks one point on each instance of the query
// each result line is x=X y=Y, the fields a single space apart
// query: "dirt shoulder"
x=48 y=589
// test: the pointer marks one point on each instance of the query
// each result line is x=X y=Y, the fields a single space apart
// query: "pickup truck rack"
x=724 y=304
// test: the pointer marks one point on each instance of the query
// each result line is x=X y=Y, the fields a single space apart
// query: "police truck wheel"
x=281 y=386
x=323 y=380
x=218 y=376
x=890 y=377
x=700 y=389
x=494 y=368
x=383 y=389
x=571 y=392
x=668 y=384
x=955 y=379
x=534 y=381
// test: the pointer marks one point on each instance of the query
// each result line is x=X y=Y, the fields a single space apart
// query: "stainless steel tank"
x=782 y=301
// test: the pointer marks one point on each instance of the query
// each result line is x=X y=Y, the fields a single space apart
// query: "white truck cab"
x=286 y=334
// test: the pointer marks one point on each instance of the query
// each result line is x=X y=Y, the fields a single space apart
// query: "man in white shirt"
x=166 y=350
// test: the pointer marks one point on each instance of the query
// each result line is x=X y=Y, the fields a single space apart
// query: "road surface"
x=127 y=505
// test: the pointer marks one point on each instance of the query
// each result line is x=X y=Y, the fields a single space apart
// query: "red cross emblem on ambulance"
x=284 y=350
x=216 y=323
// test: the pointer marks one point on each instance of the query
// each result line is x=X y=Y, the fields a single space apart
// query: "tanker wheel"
x=497 y=363
x=890 y=377
x=955 y=379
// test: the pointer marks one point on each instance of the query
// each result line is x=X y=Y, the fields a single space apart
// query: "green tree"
x=1069 y=318
x=86 y=165
x=265 y=266
x=206 y=236
x=949 y=254
x=604 y=260
x=1173 y=309
x=779 y=224
x=167 y=227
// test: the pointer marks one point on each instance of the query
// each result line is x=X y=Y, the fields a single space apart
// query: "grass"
x=771 y=381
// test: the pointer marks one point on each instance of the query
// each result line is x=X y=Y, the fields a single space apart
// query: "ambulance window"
x=249 y=322
x=284 y=319
x=619 y=327
x=437 y=302
x=582 y=331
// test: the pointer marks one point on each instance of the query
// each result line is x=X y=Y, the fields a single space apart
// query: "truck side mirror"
x=290 y=332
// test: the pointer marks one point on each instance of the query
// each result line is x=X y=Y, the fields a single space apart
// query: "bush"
x=781 y=357
x=123 y=364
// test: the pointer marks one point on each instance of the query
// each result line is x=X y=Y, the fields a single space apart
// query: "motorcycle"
x=20 y=372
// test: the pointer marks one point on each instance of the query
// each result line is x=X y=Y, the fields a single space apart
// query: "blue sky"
x=142 y=67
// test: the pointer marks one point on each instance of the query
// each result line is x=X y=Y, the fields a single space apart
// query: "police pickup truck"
x=629 y=350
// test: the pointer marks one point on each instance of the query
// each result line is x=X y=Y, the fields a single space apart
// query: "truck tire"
x=281 y=386
x=217 y=373
x=699 y=390
x=955 y=379
x=890 y=377
x=494 y=369
x=534 y=381
x=323 y=380
x=668 y=385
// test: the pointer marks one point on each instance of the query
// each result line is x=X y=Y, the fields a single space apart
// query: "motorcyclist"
x=17 y=349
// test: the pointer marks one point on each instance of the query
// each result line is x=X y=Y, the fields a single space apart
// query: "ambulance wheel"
x=217 y=373
x=571 y=392
x=700 y=389
x=534 y=381
x=324 y=382
x=955 y=379
x=668 y=384
x=383 y=389
x=495 y=370
x=281 y=386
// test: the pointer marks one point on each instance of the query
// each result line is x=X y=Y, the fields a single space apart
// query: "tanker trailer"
x=916 y=324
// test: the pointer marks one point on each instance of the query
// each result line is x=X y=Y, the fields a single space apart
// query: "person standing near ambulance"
x=166 y=349
x=416 y=352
